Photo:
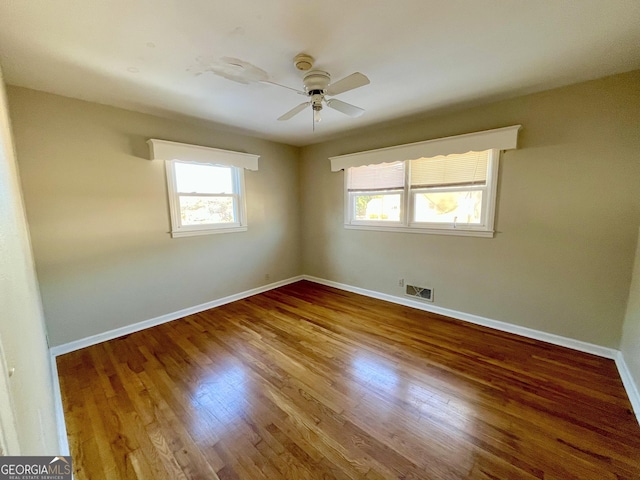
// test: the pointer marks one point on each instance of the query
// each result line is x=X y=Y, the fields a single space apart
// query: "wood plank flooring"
x=309 y=382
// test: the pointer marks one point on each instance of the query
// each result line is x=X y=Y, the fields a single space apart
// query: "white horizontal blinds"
x=369 y=178
x=451 y=170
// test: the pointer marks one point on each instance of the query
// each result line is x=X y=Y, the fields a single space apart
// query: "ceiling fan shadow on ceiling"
x=318 y=86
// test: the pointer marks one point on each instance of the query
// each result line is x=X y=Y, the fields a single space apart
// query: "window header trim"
x=505 y=138
x=165 y=150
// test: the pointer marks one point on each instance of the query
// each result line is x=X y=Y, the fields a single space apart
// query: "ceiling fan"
x=318 y=86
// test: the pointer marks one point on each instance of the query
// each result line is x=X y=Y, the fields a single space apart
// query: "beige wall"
x=27 y=405
x=567 y=216
x=630 y=344
x=99 y=219
x=561 y=261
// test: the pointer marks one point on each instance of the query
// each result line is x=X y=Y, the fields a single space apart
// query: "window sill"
x=208 y=231
x=430 y=231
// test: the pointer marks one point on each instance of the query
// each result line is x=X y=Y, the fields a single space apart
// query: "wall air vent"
x=422 y=293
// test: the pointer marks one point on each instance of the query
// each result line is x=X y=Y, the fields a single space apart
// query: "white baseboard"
x=629 y=384
x=63 y=440
x=627 y=380
x=478 y=320
x=136 y=327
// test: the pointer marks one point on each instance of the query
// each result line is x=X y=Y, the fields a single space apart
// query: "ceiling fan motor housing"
x=316 y=80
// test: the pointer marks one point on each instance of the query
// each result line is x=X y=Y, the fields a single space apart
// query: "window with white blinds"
x=377 y=192
x=386 y=176
x=450 y=170
x=442 y=194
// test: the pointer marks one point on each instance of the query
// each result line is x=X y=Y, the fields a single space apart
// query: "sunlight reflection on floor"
x=222 y=394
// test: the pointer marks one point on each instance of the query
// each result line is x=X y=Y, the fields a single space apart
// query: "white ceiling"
x=161 y=56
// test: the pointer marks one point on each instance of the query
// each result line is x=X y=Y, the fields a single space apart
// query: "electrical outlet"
x=267 y=277
x=401 y=282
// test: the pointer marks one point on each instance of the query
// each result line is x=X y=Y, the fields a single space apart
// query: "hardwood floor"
x=309 y=382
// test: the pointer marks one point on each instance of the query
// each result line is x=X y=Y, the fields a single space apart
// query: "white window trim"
x=179 y=230
x=484 y=229
x=172 y=152
x=493 y=140
x=350 y=222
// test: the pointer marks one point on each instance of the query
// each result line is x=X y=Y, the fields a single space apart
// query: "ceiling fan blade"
x=355 y=80
x=344 y=107
x=294 y=111
x=284 y=86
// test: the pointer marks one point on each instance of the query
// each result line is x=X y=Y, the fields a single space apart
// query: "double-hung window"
x=205 y=196
x=376 y=193
x=453 y=190
x=205 y=187
x=442 y=186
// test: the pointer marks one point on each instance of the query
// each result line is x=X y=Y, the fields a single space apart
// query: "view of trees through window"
x=204 y=210
x=445 y=191
x=448 y=207
x=432 y=207
x=378 y=207
x=205 y=193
